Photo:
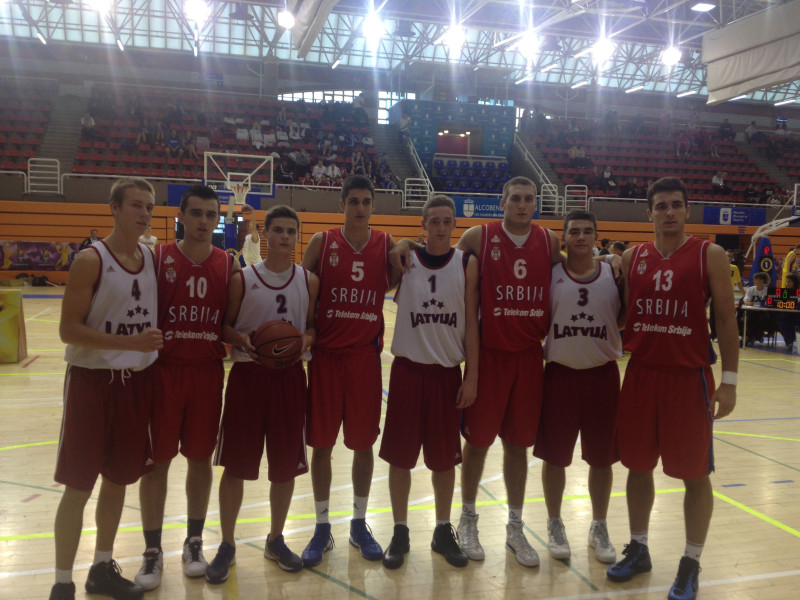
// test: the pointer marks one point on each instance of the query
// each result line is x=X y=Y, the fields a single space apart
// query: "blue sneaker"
x=686 y=583
x=361 y=538
x=321 y=542
x=278 y=551
x=637 y=560
x=219 y=569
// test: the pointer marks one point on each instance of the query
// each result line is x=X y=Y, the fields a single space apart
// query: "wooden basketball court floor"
x=753 y=550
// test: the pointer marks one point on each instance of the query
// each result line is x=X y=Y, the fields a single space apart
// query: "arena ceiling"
x=495 y=42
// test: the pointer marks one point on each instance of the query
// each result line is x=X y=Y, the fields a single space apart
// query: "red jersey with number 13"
x=515 y=288
x=352 y=287
x=667 y=323
x=191 y=303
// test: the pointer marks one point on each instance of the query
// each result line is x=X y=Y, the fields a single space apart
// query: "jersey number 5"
x=358 y=271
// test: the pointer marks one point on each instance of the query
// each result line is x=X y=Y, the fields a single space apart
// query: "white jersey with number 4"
x=431 y=312
x=124 y=303
x=583 y=328
x=262 y=302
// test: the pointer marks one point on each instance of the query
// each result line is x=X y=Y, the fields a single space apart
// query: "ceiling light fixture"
x=687 y=93
x=581 y=83
x=703 y=7
x=782 y=102
x=671 y=56
x=635 y=89
x=548 y=67
x=336 y=63
x=285 y=19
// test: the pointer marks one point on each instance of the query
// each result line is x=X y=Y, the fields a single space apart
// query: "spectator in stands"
x=750 y=195
x=358 y=166
x=174 y=115
x=710 y=146
x=637 y=125
x=618 y=248
x=368 y=141
x=609 y=182
x=694 y=120
x=788 y=323
x=752 y=134
x=189 y=148
x=144 y=136
x=332 y=172
x=404 y=125
x=159 y=138
x=173 y=147
x=577 y=157
x=767 y=190
x=718 y=187
x=359 y=109
x=87 y=126
x=302 y=163
x=89 y=240
x=604 y=247
x=682 y=144
x=255 y=135
x=726 y=132
x=280 y=120
x=319 y=171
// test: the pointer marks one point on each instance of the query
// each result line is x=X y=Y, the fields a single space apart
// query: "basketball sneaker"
x=394 y=557
x=518 y=544
x=557 y=543
x=149 y=575
x=194 y=563
x=686 y=583
x=219 y=569
x=106 y=578
x=468 y=537
x=637 y=560
x=598 y=539
x=63 y=591
x=361 y=537
x=278 y=551
x=321 y=542
x=444 y=542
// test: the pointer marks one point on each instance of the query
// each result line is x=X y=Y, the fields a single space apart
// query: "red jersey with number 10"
x=515 y=288
x=667 y=323
x=352 y=287
x=191 y=303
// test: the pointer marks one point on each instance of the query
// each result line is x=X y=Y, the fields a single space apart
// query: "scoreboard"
x=782 y=298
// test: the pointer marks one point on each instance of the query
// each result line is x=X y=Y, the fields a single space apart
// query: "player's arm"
x=310 y=335
x=395 y=271
x=399 y=256
x=468 y=391
x=235 y=295
x=83 y=276
x=555 y=245
x=311 y=255
x=623 y=284
x=719 y=283
x=470 y=241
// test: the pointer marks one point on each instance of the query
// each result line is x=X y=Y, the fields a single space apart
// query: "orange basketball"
x=277 y=344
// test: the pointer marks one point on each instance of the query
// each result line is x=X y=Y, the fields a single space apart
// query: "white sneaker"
x=557 y=544
x=468 y=537
x=598 y=539
x=194 y=563
x=518 y=544
x=149 y=576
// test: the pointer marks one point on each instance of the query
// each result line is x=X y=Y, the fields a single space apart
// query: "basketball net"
x=240 y=191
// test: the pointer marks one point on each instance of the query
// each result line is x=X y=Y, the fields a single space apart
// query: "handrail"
x=691 y=202
x=22 y=174
x=520 y=145
x=408 y=145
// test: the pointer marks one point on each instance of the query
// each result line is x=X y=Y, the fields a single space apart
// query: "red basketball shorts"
x=579 y=401
x=187 y=409
x=262 y=403
x=344 y=391
x=509 y=398
x=666 y=412
x=422 y=413
x=104 y=430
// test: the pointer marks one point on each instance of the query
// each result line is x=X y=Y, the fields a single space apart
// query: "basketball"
x=277 y=344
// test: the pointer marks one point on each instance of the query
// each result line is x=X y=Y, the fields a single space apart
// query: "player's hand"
x=150 y=340
x=724 y=399
x=308 y=341
x=399 y=256
x=245 y=344
x=467 y=394
x=247 y=212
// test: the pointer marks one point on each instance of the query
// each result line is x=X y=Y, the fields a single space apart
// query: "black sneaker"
x=106 y=578
x=278 y=551
x=686 y=583
x=444 y=542
x=219 y=569
x=63 y=591
x=637 y=560
x=394 y=556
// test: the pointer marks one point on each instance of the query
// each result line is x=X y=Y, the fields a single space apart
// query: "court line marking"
x=755 y=435
x=777 y=462
x=40 y=313
x=29 y=445
x=760 y=515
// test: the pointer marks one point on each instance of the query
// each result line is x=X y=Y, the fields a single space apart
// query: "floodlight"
x=671 y=56
x=742 y=97
x=286 y=19
x=119 y=44
x=548 y=67
x=197 y=11
x=782 y=102
x=335 y=63
x=454 y=39
x=523 y=79
x=373 y=30
x=101 y=6
x=687 y=93
x=41 y=38
x=528 y=45
x=634 y=89
x=581 y=84
x=602 y=50
x=703 y=7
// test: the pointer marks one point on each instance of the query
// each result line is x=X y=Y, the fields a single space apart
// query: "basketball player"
x=263 y=403
x=251 y=249
x=436 y=329
x=581 y=382
x=345 y=372
x=668 y=401
x=107 y=319
x=193 y=278
x=148 y=239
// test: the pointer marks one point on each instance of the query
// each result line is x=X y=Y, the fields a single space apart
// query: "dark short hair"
x=280 y=211
x=604 y=242
x=619 y=246
x=357 y=182
x=666 y=184
x=201 y=191
x=519 y=180
x=580 y=214
x=438 y=200
x=794 y=278
x=120 y=186
x=762 y=276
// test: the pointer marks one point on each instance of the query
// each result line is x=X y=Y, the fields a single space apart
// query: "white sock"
x=360 y=507
x=63 y=575
x=639 y=536
x=100 y=556
x=403 y=523
x=445 y=522
x=693 y=550
x=468 y=508
x=321 y=509
x=514 y=514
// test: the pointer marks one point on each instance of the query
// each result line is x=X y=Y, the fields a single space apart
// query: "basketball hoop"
x=240 y=191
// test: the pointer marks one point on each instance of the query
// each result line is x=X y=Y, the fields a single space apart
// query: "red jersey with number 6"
x=352 y=287
x=515 y=288
x=191 y=303
x=667 y=323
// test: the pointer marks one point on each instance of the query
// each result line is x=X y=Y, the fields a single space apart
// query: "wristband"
x=729 y=377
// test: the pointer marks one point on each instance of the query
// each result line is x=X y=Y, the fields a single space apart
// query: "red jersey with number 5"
x=515 y=288
x=352 y=287
x=667 y=323
x=191 y=303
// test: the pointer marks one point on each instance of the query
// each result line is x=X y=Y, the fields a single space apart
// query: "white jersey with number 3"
x=262 y=302
x=583 y=329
